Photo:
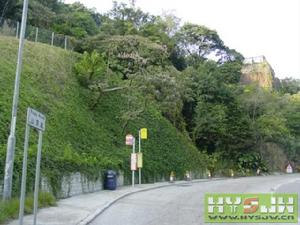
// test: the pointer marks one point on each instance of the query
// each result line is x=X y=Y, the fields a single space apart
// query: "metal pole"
x=52 y=39
x=37 y=177
x=24 y=174
x=9 y=164
x=36 y=34
x=66 y=38
x=140 y=169
x=133 y=151
x=17 y=31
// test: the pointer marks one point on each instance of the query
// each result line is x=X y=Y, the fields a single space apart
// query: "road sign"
x=289 y=169
x=144 y=133
x=36 y=119
x=129 y=139
x=139 y=160
x=133 y=161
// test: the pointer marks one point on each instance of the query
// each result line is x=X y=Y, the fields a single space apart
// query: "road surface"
x=183 y=204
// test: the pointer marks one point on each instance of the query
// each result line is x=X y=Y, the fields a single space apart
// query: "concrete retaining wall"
x=75 y=184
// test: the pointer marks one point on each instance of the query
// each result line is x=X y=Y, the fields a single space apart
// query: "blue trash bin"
x=110 y=180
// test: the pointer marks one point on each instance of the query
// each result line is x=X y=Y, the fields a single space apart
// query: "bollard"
x=172 y=177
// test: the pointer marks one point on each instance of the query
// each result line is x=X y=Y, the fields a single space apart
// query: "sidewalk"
x=82 y=209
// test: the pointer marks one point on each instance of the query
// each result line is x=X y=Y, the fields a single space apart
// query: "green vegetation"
x=10 y=209
x=78 y=138
x=73 y=20
x=132 y=70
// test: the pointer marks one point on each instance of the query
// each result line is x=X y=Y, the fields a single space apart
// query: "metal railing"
x=257 y=59
x=36 y=34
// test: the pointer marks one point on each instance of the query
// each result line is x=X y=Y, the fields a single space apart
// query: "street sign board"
x=36 y=119
x=133 y=161
x=139 y=160
x=144 y=133
x=289 y=169
x=129 y=139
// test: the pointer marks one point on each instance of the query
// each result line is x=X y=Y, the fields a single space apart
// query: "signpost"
x=143 y=133
x=136 y=158
x=130 y=140
x=139 y=160
x=289 y=168
x=35 y=120
x=133 y=161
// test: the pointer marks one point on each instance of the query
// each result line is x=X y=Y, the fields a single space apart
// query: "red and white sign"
x=129 y=139
x=289 y=169
x=133 y=164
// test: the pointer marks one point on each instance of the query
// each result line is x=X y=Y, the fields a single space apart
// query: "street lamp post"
x=11 y=142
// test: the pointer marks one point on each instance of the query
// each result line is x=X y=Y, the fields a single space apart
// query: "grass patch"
x=10 y=209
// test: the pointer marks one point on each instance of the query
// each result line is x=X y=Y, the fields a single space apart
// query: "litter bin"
x=110 y=180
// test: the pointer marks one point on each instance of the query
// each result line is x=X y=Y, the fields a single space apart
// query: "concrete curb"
x=98 y=212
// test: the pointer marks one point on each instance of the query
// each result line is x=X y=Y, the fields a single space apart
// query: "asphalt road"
x=183 y=204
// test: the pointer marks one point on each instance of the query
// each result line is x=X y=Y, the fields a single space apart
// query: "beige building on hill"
x=258 y=70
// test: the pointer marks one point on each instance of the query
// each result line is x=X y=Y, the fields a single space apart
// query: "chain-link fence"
x=36 y=34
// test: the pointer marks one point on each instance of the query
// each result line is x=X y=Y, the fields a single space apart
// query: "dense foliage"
x=78 y=138
x=73 y=20
x=137 y=70
x=190 y=71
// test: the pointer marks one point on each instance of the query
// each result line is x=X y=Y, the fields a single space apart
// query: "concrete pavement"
x=81 y=209
x=183 y=204
x=143 y=204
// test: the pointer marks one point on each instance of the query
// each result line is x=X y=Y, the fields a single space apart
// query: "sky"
x=252 y=27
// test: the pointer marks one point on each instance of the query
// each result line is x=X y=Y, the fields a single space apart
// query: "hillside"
x=137 y=70
x=78 y=139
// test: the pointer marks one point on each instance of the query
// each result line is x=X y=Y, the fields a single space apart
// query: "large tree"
x=7 y=8
x=198 y=43
x=76 y=20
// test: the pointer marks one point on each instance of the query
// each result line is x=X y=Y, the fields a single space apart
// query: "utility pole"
x=11 y=142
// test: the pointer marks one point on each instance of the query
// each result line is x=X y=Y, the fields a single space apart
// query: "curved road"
x=183 y=204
